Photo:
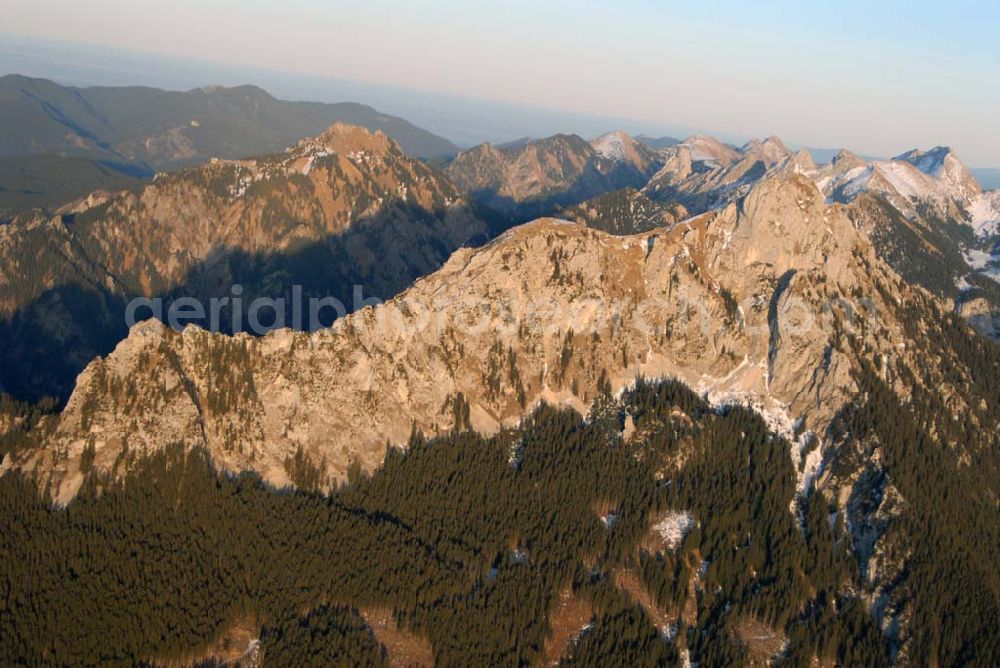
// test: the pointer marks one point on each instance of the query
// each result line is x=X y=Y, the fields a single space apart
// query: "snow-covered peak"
x=941 y=164
x=709 y=174
x=935 y=176
x=906 y=179
x=613 y=145
x=929 y=162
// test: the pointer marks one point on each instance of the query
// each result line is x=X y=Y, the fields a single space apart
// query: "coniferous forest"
x=472 y=542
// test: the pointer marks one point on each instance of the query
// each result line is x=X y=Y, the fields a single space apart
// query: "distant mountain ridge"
x=167 y=129
x=534 y=177
x=657 y=143
x=104 y=137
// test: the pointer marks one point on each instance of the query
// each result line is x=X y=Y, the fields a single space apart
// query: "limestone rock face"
x=742 y=303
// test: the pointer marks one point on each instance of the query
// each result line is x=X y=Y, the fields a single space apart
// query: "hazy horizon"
x=877 y=80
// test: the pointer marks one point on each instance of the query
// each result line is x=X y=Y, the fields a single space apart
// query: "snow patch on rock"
x=673 y=527
x=984 y=214
x=984 y=263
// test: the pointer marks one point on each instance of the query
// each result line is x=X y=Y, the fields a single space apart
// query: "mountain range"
x=620 y=401
x=925 y=211
x=351 y=208
x=718 y=292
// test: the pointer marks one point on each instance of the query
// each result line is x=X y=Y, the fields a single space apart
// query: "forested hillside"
x=477 y=543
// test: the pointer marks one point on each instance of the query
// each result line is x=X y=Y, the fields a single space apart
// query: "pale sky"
x=880 y=77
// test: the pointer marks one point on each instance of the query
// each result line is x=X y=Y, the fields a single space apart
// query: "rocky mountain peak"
x=708 y=149
x=559 y=142
x=931 y=161
x=347 y=139
x=784 y=221
x=846 y=160
x=942 y=164
x=702 y=173
x=772 y=150
x=615 y=145
x=801 y=162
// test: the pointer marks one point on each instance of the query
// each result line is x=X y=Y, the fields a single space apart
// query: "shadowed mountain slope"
x=345 y=208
